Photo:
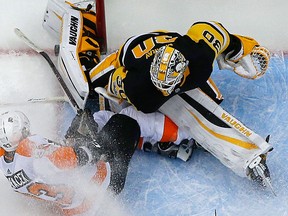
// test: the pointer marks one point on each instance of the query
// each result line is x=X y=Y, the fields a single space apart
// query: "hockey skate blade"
x=266 y=180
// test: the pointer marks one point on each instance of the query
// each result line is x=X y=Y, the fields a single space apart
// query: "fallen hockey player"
x=40 y=168
x=164 y=71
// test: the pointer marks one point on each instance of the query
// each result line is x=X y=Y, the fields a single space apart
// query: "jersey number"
x=149 y=44
x=61 y=193
x=211 y=39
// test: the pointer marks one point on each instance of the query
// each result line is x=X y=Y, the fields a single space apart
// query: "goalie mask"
x=167 y=69
x=14 y=127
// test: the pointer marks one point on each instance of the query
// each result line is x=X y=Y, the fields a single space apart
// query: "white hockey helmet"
x=14 y=127
x=167 y=69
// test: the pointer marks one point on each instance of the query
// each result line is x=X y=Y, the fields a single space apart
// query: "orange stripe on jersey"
x=25 y=148
x=64 y=158
x=170 y=131
x=140 y=143
x=2 y=152
x=101 y=173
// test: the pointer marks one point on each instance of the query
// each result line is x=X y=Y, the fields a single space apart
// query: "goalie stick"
x=28 y=42
x=36 y=100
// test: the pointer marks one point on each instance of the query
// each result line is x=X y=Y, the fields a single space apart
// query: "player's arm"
x=212 y=33
x=241 y=54
x=62 y=157
x=99 y=74
x=108 y=65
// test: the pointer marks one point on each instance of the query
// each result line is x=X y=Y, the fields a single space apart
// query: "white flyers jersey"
x=155 y=127
x=45 y=170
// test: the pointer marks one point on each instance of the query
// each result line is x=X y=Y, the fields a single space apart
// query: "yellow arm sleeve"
x=107 y=64
x=213 y=33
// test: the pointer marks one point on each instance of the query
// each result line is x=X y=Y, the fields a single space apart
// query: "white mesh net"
x=260 y=58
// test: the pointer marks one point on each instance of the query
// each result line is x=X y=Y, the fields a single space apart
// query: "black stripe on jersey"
x=203 y=111
x=88 y=23
x=89 y=41
x=213 y=27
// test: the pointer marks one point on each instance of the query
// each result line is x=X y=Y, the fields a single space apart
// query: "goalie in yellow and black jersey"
x=150 y=68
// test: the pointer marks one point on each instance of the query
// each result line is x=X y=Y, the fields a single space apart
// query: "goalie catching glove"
x=250 y=62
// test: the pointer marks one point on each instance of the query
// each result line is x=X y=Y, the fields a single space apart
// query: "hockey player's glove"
x=87 y=151
x=250 y=62
x=82 y=135
x=82 y=126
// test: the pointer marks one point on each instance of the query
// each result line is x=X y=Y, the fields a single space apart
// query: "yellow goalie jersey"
x=130 y=66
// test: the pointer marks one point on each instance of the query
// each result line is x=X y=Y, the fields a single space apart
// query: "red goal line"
x=21 y=52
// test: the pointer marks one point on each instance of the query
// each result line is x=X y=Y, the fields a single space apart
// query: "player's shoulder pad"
x=213 y=33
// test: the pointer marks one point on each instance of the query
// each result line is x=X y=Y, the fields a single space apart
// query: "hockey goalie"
x=165 y=62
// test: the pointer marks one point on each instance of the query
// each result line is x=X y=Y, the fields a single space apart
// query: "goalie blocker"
x=78 y=51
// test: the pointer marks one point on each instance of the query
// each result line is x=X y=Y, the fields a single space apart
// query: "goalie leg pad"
x=215 y=130
x=79 y=50
x=52 y=21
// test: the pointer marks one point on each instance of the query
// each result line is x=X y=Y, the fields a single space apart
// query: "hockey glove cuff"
x=252 y=66
x=247 y=45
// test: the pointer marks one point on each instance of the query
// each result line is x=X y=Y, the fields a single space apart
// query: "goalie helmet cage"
x=101 y=25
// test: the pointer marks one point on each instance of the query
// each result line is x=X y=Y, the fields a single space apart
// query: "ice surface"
x=157 y=185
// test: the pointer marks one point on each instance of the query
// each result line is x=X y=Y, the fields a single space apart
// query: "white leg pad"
x=68 y=59
x=54 y=13
x=235 y=145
